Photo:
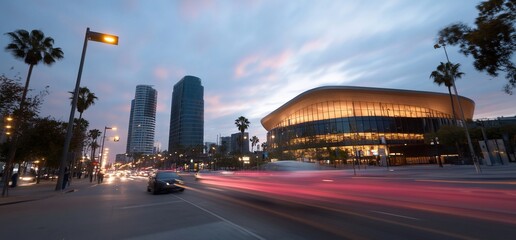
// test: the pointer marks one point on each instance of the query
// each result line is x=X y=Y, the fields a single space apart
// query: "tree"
x=43 y=139
x=447 y=74
x=254 y=141
x=33 y=48
x=242 y=124
x=491 y=42
x=84 y=100
x=9 y=94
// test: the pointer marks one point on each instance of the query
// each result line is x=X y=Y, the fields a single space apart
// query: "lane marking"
x=216 y=189
x=395 y=215
x=149 y=205
x=223 y=219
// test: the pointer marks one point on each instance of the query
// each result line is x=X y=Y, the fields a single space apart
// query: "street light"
x=8 y=125
x=102 y=147
x=93 y=36
x=435 y=141
x=472 y=152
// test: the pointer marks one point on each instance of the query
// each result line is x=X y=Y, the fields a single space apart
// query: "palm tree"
x=242 y=124
x=33 y=48
x=264 y=146
x=84 y=100
x=446 y=74
x=93 y=135
x=254 y=141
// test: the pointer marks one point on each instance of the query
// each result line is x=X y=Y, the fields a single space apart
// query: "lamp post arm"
x=69 y=129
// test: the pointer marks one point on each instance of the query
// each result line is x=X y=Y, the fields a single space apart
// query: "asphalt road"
x=272 y=207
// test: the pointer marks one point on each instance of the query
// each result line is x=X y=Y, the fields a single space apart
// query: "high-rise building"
x=239 y=145
x=142 y=121
x=187 y=114
x=225 y=145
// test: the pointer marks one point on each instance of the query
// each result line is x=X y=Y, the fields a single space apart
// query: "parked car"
x=165 y=181
x=27 y=177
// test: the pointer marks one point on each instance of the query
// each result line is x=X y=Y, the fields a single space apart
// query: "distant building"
x=142 y=121
x=187 y=114
x=208 y=145
x=122 y=158
x=236 y=145
x=497 y=122
x=225 y=145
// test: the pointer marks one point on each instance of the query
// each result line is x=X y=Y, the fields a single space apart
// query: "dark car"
x=165 y=181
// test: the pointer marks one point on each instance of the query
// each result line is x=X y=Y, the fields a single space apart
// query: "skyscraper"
x=142 y=121
x=187 y=114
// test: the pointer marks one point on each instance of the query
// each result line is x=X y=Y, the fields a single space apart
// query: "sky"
x=252 y=55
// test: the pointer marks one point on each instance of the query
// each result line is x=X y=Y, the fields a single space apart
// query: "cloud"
x=161 y=73
x=257 y=64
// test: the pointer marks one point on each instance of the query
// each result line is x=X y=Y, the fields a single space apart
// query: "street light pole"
x=103 y=141
x=102 y=147
x=94 y=36
x=435 y=141
x=470 y=145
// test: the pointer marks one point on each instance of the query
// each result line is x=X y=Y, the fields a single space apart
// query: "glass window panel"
x=372 y=122
x=345 y=126
x=379 y=124
x=360 y=124
x=331 y=110
x=338 y=125
x=367 y=126
x=338 y=111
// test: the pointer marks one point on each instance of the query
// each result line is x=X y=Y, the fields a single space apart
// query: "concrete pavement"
x=26 y=192
x=45 y=189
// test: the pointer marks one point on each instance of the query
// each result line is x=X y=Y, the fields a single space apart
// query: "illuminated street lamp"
x=8 y=125
x=472 y=152
x=93 y=36
x=103 y=140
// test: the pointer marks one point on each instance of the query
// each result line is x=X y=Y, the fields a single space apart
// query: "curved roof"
x=436 y=101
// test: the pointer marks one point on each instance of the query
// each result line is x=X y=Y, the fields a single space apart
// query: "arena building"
x=374 y=125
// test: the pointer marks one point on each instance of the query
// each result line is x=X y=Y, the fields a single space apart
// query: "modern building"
x=372 y=124
x=187 y=115
x=225 y=145
x=142 y=121
x=239 y=146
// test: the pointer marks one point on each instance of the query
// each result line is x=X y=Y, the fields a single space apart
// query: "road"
x=272 y=206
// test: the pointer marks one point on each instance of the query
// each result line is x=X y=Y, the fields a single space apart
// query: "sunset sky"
x=251 y=55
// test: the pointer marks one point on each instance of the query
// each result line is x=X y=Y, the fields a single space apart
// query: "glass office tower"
x=187 y=114
x=142 y=121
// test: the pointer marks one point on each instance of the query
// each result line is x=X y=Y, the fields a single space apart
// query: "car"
x=165 y=181
x=200 y=174
x=27 y=177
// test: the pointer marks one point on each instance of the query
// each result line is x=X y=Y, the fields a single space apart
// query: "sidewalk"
x=451 y=172
x=26 y=192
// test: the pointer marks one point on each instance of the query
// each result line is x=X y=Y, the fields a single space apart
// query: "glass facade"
x=142 y=121
x=345 y=127
x=187 y=114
